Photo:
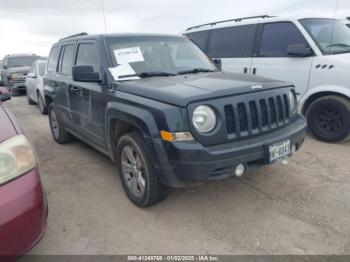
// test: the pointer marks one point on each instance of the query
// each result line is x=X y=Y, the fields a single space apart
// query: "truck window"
x=232 y=42
x=276 y=38
x=67 y=60
x=199 y=38
x=88 y=55
x=53 y=59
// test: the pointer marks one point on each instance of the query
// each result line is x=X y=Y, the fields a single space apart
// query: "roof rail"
x=230 y=20
x=71 y=36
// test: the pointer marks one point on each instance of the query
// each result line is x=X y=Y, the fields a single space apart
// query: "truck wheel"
x=58 y=131
x=29 y=100
x=14 y=91
x=138 y=175
x=328 y=118
x=41 y=105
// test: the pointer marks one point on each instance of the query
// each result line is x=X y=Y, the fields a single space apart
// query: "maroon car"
x=23 y=206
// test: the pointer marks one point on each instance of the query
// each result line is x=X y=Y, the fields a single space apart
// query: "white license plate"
x=279 y=151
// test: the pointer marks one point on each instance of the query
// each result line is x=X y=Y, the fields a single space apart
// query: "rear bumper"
x=23 y=214
x=189 y=163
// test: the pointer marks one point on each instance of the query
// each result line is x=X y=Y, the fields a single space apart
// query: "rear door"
x=271 y=59
x=234 y=46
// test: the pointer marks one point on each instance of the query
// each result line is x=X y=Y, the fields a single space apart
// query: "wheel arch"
x=317 y=93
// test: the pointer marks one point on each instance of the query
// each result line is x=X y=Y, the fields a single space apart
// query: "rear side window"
x=199 y=38
x=67 y=60
x=53 y=59
x=232 y=42
x=276 y=38
x=88 y=55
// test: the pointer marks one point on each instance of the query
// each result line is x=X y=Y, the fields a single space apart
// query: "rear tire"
x=42 y=107
x=29 y=100
x=58 y=131
x=137 y=173
x=329 y=118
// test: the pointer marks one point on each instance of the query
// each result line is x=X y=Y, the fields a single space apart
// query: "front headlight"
x=204 y=119
x=15 y=76
x=17 y=157
x=292 y=101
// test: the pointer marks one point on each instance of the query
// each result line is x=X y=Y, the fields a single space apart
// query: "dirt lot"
x=299 y=208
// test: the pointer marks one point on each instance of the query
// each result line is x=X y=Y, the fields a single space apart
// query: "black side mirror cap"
x=217 y=62
x=4 y=94
x=85 y=73
x=299 y=50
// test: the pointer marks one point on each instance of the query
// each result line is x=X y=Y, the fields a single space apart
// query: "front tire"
x=138 y=176
x=58 y=131
x=329 y=118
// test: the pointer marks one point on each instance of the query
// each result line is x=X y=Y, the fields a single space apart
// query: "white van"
x=311 y=53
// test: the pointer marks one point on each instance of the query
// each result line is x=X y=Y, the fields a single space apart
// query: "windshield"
x=332 y=36
x=21 y=61
x=154 y=56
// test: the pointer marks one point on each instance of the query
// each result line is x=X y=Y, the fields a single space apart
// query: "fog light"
x=240 y=169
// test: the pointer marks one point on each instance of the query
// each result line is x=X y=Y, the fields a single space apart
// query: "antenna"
x=104 y=16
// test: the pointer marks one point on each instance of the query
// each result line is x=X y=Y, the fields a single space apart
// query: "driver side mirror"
x=4 y=94
x=299 y=50
x=217 y=62
x=85 y=73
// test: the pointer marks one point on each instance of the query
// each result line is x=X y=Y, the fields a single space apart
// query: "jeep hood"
x=184 y=89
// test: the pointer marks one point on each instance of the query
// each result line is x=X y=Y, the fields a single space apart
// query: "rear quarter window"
x=53 y=59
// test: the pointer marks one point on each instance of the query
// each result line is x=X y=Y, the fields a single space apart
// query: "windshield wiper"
x=195 y=71
x=148 y=74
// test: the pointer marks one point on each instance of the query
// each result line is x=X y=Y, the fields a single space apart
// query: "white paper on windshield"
x=128 y=55
x=123 y=72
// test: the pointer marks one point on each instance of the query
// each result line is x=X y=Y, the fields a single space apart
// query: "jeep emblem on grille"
x=257 y=87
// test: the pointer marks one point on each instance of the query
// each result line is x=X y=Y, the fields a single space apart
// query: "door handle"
x=254 y=71
x=245 y=70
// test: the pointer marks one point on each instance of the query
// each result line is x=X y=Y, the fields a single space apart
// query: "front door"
x=272 y=59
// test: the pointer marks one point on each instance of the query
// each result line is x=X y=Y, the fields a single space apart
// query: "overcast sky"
x=34 y=25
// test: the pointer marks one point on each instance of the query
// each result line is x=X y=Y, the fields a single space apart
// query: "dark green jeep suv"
x=165 y=113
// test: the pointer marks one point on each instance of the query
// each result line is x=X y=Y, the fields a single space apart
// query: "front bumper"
x=189 y=163
x=20 y=84
x=23 y=214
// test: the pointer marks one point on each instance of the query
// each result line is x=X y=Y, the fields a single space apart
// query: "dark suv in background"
x=14 y=70
x=163 y=111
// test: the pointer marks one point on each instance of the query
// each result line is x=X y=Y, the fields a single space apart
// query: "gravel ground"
x=299 y=208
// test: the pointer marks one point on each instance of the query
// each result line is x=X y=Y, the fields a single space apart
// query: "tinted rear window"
x=232 y=42
x=67 y=60
x=53 y=59
x=199 y=38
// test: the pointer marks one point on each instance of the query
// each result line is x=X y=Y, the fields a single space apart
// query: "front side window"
x=232 y=42
x=332 y=36
x=67 y=60
x=21 y=61
x=276 y=38
x=172 y=55
x=53 y=59
x=88 y=55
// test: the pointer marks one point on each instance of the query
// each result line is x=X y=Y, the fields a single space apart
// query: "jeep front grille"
x=257 y=116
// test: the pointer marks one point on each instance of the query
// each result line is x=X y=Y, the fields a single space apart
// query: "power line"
x=104 y=16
